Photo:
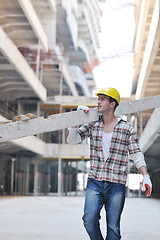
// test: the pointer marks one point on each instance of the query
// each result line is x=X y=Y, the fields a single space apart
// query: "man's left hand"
x=147 y=185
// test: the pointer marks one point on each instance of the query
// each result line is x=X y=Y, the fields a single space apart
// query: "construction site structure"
x=47 y=53
x=45 y=47
x=147 y=82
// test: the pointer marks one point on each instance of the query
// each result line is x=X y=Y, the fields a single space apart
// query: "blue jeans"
x=112 y=196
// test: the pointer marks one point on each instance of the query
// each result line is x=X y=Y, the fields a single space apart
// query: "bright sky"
x=116 y=41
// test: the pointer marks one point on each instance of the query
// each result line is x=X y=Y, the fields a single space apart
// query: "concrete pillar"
x=47 y=188
x=128 y=170
x=38 y=60
x=139 y=191
x=12 y=174
x=83 y=163
x=76 y=177
x=66 y=178
x=141 y=123
x=41 y=73
x=16 y=182
x=61 y=85
x=70 y=178
x=59 y=176
x=27 y=179
x=20 y=107
x=38 y=109
x=38 y=115
x=135 y=123
x=35 y=191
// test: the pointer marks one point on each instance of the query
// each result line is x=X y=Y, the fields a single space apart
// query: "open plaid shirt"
x=124 y=141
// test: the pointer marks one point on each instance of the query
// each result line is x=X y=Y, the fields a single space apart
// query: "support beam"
x=152 y=47
x=69 y=80
x=65 y=72
x=151 y=131
x=55 y=122
x=34 y=21
x=52 y=5
x=138 y=105
x=13 y=55
x=31 y=143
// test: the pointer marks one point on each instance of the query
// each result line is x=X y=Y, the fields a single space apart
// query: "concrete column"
x=38 y=109
x=70 y=178
x=141 y=122
x=59 y=176
x=83 y=175
x=61 y=85
x=20 y=107
x=41 y=73
x=128 y=170
x=76 y=177
x=38 y=115
x=35 y=191
x=12 y=174
x=27 y=179
x=38 y=60
x=66 y=178
x=135 y=123
x=139 y=191
x=48 y=179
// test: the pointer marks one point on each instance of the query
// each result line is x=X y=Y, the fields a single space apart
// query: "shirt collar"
x=119 y=119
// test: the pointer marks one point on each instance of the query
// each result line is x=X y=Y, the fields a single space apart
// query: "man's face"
x=104 y=104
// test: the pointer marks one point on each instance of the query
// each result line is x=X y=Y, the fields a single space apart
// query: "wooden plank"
x=64 y=120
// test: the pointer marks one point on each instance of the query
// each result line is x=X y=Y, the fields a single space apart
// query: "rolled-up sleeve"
x=84 y=131
x=73 y=136
x=133 y=143
x=138 y=159
x=134 y=150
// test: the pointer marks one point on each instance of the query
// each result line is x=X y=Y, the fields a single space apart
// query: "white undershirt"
x=106 y=142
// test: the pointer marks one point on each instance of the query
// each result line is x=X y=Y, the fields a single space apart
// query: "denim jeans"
x=112 y=197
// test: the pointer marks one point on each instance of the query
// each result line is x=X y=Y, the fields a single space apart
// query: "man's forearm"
x=143 y=170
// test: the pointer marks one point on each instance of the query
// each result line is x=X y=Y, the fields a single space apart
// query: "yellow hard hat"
x=111 y=92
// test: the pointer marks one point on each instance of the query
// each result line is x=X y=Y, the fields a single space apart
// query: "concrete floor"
x=59 y=218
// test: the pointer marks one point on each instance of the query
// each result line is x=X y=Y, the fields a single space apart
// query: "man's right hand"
x=83 y=107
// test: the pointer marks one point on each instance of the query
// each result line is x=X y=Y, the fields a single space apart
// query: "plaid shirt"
x=124 y=141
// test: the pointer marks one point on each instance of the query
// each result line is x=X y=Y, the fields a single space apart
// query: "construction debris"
x=24 y=117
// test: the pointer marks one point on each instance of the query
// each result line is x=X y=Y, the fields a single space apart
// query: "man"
x=111 y=139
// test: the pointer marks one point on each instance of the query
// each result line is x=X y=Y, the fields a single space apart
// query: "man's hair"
x=113 y=100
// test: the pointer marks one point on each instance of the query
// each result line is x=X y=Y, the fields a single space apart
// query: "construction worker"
x=111 y=139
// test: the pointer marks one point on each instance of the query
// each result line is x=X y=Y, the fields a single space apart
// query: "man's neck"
x=109 y=122
x=108 y=118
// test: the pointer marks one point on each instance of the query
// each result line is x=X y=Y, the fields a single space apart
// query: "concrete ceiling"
x=19 y=31
x=147 y=46
x=18 y=27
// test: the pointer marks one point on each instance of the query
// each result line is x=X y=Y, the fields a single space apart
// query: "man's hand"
x=83 y=107
x=147 y=185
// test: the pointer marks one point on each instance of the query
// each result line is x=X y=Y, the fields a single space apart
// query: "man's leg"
x=114 y=207
x=93 y=204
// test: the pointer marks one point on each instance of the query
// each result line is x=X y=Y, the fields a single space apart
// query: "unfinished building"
x=47 y=52
x=146 y=83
